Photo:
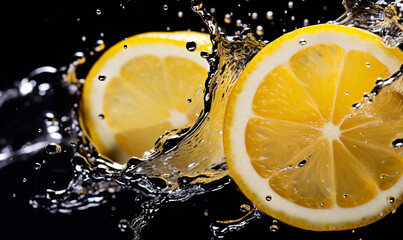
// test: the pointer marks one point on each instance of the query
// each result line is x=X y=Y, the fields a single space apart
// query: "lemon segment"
x=292 y=135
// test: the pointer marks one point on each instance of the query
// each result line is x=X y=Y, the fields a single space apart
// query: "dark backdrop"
x=45 y=32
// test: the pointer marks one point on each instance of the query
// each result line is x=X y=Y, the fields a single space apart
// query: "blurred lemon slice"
x=140 y=88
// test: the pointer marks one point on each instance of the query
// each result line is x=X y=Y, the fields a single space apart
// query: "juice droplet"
x=191 y=46
x=53 y=148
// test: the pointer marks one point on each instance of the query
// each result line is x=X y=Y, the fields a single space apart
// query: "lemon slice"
x=294 y=144
x=141 y=87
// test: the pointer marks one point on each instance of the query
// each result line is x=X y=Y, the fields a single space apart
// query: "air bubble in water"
x=347 y=93
x=391 y=199
x=306 y=22
x=268 y=198
x=191 y=46
x=24 y=180
x=98 y=11
x=101 y=116
x=125 y=46
x=398 y=143
x=53 y=148
x=273 y=228
x=83 y=38
x=102 y=77
x=40 y=130
x=124 y=225
x=165 y=7
x=302 y=41
x=368 y=64
x=269 y=15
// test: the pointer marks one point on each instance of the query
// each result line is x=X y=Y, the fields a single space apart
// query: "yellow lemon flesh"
x=140 y=88
x=294 y=144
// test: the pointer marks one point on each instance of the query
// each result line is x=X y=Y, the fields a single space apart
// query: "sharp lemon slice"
x=140 y=88
x=295 y=146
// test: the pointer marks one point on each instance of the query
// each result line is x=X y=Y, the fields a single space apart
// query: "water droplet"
x=254 y=15
x=259 y=30
x=53 y=148
x=227 y=18
x=99 y=45
x=398 y=143
x=79 y=58
x=37 y=166
x=356 y=106
x=98 y=11
x=290 y=4
x=124 y=225
x=83 y=38
x=244 y=208
x=269 y=15
x=391 y=199
x=180 y=14
x=238 y=23
x=101 y=116
x=384 y=176
x=268 y=198
x=292 y=18
x=165 y=7
x=138 y=198
x=191 y=46
x=302 y=41
x=102 y=77
x=273 y=228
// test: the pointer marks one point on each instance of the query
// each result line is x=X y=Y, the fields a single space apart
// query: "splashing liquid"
x=185 y=162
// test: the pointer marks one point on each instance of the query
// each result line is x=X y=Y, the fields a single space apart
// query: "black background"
x=39 y=33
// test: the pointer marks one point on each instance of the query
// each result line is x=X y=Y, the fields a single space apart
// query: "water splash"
x=378 y=16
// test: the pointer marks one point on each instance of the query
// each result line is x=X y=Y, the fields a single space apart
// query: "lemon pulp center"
x=331 y=131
